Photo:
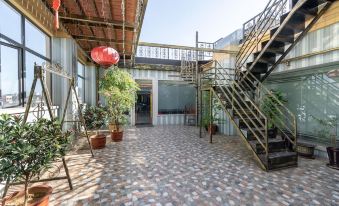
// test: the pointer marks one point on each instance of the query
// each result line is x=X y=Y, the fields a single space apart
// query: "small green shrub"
x=27 y=149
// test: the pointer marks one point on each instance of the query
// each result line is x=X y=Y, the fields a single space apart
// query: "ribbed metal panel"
x=316 y=41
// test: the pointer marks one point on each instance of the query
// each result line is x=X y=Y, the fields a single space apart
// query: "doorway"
x=143 y=107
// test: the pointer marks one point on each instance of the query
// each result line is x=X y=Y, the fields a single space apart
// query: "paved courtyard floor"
x=173 y=166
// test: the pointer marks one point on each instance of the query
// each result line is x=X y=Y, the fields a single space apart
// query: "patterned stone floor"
x=172 y=166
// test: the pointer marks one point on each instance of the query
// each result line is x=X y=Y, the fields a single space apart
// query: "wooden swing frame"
x=38 y=76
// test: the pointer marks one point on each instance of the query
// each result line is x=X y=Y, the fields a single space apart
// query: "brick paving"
x=173 y=166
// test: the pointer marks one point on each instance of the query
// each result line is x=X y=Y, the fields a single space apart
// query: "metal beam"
x=141 y=22
x=95 y=20
x=98 y=39
x=187 y=48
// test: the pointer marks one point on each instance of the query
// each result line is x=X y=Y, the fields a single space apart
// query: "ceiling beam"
x=98 y=39
x=94 y=20
x=69 y=22
x=137 y=34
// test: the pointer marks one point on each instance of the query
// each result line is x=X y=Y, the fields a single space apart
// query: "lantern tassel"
x=56 y=20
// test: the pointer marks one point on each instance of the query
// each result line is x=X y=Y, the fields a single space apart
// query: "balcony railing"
x=173 y=52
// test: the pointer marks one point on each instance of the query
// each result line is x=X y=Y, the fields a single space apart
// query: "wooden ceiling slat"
x=99 y=22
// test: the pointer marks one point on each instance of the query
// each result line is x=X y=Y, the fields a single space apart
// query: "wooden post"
x=82 y=120
x=38 y=76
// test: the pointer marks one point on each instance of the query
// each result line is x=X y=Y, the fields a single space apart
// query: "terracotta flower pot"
x=98 y=141
x=333 y=156
x=40 y=196
x=116 y=136
x=212 y=129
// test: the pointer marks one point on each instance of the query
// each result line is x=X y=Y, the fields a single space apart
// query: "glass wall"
x=81 y=82
x=314 y=99
x=22 y=45
x=176 y=97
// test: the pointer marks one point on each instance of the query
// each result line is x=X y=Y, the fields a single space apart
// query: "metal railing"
x=256 y=28
x=188 y=70
x=249 y=107
x=169 y=52
x=238 y=101
x=283 y=119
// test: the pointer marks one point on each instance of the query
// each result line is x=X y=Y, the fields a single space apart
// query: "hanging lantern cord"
x=123 y=30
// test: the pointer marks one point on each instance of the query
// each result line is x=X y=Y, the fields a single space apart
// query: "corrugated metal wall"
x=316 y=41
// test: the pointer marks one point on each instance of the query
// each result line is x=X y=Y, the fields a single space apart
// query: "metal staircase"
x=268 y=39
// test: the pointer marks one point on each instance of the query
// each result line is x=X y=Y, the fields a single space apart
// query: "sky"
x=176 y=21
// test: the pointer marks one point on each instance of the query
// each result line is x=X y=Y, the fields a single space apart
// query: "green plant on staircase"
x=270 y=106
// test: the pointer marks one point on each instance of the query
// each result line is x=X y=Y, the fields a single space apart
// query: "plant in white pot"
x=119 y=90
x=26 y=150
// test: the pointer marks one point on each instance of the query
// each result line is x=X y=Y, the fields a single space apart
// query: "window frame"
x=83 y=78
x=22 y=49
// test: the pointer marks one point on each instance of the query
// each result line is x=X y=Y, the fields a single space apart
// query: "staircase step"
x=243 y=125
x=286 y=35
x=296 y=23
x=279 y=160
x=274 y=145
x=311 y=3
x=275 y=44
x=250 y=133
x=259 y=67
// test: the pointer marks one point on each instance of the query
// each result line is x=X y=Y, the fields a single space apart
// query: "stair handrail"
x=246 y=115
x=260 y=88
x=258 y=30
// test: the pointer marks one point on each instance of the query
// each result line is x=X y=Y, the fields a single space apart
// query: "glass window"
x=15 y=57
x=36 y=39
x=176 y=97
x=314 y=99
x=9 y=76
x=81 y=82
x=10 y=22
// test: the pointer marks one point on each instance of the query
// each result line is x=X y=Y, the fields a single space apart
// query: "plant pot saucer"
x=332 y=166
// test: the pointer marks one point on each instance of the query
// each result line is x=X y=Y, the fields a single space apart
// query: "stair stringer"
x=243 y=138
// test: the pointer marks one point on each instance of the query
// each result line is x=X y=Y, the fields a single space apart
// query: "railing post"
x=211 y=117
x=266 y=141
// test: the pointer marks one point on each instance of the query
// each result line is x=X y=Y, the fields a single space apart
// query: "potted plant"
x=119 y=90
x=26 y=150
x=95 y=118
x=269 y=106
x=207 y=118
x=325 y=132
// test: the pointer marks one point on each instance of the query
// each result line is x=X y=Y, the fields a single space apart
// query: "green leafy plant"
x=325 y=130
x=27 y=149
x=95 y=117
x=216 y=107
x=270 y=107
x=119 y=89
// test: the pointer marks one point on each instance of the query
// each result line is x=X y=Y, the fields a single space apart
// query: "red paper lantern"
x=56 y=6
x=105 y=56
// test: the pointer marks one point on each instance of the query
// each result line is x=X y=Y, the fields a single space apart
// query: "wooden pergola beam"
x=98 y=39
x=76 y=19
